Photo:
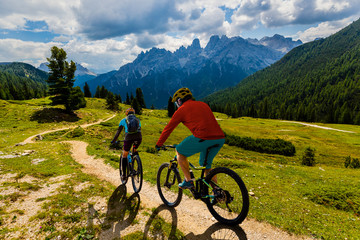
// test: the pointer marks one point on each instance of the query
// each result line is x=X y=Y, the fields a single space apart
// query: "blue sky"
x=104 y=35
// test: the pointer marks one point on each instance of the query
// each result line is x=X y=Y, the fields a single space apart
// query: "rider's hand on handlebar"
x=157 y=148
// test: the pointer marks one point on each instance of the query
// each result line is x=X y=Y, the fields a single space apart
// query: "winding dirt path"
x=30 y=139
x=192 y=216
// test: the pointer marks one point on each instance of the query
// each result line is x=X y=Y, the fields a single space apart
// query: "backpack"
x=132 y=123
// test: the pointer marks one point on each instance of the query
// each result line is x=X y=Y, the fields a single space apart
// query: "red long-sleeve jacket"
x=198 y=118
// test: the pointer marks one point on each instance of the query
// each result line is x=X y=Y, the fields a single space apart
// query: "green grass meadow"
x=322 y=201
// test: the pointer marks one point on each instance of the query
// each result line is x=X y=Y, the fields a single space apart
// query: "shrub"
x=272 y=146
x=77 y=132
x=352 y=162
x=308 y=158
x=340 y=197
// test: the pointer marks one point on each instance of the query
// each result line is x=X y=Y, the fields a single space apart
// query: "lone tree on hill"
x=61 y=81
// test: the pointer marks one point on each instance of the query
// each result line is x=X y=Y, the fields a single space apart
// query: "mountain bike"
x=222 y=190
x=133 y=168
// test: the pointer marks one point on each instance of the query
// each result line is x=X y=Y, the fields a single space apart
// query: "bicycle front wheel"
x=230 y=204
x=137 y=173
x=167 y=182
x=124 y=170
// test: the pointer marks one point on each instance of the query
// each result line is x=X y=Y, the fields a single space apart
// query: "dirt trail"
x=317 y=126
x=30 y=139
x=191 y=216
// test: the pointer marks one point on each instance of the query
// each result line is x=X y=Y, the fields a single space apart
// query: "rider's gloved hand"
x=157 y=148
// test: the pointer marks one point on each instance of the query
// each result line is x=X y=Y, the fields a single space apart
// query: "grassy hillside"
x=320 y=201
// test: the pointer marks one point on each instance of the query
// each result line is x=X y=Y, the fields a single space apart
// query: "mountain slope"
x=21 y=81
x=317 y=81
x=158 y=72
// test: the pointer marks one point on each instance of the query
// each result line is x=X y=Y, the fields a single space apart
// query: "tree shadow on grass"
x=50 y=115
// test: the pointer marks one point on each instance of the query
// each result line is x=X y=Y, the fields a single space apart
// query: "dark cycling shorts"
x=129 y=143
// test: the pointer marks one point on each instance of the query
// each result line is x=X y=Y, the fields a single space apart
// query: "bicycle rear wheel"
x=231 y=199
x=167 y=182
x=122 y=172
x=137 y=173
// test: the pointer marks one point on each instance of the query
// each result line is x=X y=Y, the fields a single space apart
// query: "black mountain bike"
x=222 y=190
x=133 y=169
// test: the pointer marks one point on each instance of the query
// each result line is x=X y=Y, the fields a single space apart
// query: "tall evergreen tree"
x=140 y=97
x=136 y=106
x=170 y=107
x=111 y=102
x=127 y=101
x=118 y=98
x=61 y=81
x=97 y=92
x=103 y=92
x=87 y=92
x=227 y=109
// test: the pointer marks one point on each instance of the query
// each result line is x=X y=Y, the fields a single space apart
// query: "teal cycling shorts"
x=192 y=145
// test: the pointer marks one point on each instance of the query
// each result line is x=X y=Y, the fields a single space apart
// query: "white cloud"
x=57 y=14
x=103 y=55
x=16 y=50
x=106 y=34
x=323 y=30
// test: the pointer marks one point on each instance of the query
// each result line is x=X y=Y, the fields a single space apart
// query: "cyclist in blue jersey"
x=132 y=126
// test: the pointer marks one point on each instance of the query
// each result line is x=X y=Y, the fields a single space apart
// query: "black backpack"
x=132 y=123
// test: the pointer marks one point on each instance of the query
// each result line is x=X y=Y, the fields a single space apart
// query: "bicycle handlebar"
x=165 y=147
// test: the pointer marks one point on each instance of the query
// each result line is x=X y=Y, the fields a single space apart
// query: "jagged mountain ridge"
x=221 y=64
x=277 y=42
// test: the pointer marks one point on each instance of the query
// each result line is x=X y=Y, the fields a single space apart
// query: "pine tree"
x=140 y=97
x=118 y=98
x=87 y=92
x=103 y=92
x=77 y=99
x=61 y=81
x=234 y=111
x=127 y=101
x=357 y=118
x=227 y=109
x=111 y=102
x=97 y=92
x=136 y=106
x=171 y=107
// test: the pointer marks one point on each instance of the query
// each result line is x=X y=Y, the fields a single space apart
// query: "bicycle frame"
x=197 y=192
x=225 y=196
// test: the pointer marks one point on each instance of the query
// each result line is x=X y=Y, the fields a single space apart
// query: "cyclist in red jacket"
x=199 y=119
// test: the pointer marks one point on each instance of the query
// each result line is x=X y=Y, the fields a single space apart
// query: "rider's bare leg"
x=184 y=165
x=214 y=178
x=125 y=153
